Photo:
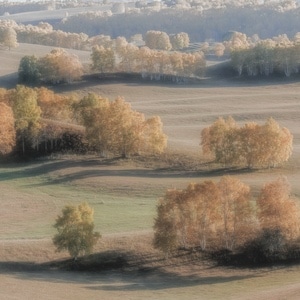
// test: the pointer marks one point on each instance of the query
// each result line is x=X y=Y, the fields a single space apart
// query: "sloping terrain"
x=32 y=194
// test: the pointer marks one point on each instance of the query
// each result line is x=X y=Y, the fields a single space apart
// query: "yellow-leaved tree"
x=236 y=211
x=251 y=145
x=7 y=129
x=75 y=228
x=278 y=210
x=27 y=115
x=114 y=127
x=205 y=214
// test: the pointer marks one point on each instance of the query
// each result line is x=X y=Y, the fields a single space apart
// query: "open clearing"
x=124 y=194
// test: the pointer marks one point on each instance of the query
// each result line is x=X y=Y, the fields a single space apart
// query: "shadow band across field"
x=114 y=280
x=102 y=168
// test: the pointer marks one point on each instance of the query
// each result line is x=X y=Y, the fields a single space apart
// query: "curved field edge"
x=33 y=194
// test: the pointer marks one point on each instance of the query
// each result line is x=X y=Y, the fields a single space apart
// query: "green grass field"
x=35 y=199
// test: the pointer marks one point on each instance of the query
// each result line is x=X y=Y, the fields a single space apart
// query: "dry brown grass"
x=184 y=110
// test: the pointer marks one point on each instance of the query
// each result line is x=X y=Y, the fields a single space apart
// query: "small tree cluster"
x=36 y=120
x=272 y=56
x=113 y=127
x=223 y=215
x=251 y=145
x=126 y=57
x=56 y=67
x=76 y=230
x=203 y=215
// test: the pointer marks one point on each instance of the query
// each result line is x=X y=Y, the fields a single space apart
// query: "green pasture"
x=31 y=199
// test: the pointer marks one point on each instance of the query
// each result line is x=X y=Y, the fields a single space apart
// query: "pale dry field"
x=185 y=111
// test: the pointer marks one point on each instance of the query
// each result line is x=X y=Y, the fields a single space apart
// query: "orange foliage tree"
x=278 y=210
x=222 y=215
x=60 y=66
x=113 y=127
x=236 y=211
x=204 y=215
x=7 y=129
x=252 y=145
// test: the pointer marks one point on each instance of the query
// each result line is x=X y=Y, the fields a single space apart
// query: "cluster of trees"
x=251 y=145
x=56 y=67
x=44 y=34
x=223 y=215
x=266 y=59
x=160 y=40
x=114 y=127
x=125 y=57
x=38 y=120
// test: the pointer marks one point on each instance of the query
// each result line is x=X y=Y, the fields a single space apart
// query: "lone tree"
x=76 y=230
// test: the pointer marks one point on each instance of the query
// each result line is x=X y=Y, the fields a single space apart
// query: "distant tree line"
x=266 y=59
x=15 y=8
x=198 y=24
x=154 y=64
x=60 y=66
x=37 y=121
x=44 y=34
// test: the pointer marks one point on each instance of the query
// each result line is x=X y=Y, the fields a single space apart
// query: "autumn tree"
x=75 y=228
x=60 y=66
x=157 y=40
x=7 y=129
x=9 y=38
x=252 y=145
x=103 y=59
x=219 y=49
x=55 y=106
x=277 y=209
x=203 y=202
x=27 y=115
x=236 y=210
x=114 y=127
x=179 y=41
x=206 y=214
x=218 y=140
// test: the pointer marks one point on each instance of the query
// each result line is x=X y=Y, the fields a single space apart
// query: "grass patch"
x=31 y=202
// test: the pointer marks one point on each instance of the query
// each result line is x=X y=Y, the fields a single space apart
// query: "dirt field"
x=184 y=110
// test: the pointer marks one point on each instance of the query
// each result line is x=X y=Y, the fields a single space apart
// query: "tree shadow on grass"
x=116 y=279
x=74 y=169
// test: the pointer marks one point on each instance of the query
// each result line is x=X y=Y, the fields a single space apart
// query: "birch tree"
x=277 y=209
x=75 y=230
x=236 y=210
x=27 y=115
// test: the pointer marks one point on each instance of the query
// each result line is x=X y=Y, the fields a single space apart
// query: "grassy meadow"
x=124 y=194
